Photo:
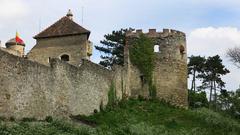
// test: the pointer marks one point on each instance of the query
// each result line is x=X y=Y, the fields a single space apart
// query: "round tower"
x=15 y=46
x=170 y=66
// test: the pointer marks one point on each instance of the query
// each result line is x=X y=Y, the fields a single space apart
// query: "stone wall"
x=170 y=72
x=74 y=46
x=11 y=51
x=30 y=89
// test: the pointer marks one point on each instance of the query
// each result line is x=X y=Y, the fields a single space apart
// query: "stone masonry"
x=56 y=78
x=170 y=73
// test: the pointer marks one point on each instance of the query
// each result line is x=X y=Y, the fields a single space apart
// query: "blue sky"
x=212 y=26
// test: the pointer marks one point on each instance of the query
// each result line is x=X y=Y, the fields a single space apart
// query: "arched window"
x=65 y=57
x=156 y=48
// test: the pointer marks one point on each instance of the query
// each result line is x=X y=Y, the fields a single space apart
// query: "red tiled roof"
x=63 y=27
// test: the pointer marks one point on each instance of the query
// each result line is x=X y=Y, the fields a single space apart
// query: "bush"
x=197 y=99
x=2 y=118
x=28 y=119
x=49 y=119
x=12 y=118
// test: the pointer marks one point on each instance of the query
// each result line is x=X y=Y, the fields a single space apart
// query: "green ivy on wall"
x=142 y=55
x=112 y=97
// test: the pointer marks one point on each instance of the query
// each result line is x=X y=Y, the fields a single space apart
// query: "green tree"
x=197 y=99
x=195 y=66
x=113 y=48
x=213 y=71
x=229 y=102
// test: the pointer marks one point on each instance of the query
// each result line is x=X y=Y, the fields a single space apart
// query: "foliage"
x=57 y=127
x=153 y=117
x=142 y=56
x=210 y=72
x=134 y=117
x=29 y=119
x=229 y=102
x=234 y=55
x=113 y=48
x=197 y=99
x=195 y=67
x=112 y=97
x=49 y=119
x=213 y=70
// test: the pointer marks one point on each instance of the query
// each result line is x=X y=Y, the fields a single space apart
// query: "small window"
x=143 y=80
x=48 y=60
x=182 y=49
x=156 y=48
x=65 y=57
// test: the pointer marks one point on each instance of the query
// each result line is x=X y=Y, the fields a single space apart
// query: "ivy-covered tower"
x=170 y=67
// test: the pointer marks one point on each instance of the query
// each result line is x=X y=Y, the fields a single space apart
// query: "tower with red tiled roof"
x=65 y=39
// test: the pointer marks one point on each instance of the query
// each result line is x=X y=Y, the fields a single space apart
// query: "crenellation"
x=170 y=72
x=57 y=78
x=153 y=33
x=167 y=31
x=139 y=31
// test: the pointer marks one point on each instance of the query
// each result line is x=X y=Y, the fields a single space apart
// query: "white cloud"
x=211 y=41
x=12 y=9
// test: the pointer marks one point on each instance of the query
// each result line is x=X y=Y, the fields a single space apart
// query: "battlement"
x=155 y=33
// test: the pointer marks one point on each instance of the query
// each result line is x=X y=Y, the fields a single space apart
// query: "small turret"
x=13 y=45
x=70 y=14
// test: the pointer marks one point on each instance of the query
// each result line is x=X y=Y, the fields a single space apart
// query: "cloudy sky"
x=212 y=26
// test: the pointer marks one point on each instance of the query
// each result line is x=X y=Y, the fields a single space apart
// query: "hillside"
x=133 y=117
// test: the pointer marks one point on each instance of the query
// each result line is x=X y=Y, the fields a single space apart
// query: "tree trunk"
x=193 y=81
x=211 y=87
x=215 y=95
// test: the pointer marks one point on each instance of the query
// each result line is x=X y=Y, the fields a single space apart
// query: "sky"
x=211 y=26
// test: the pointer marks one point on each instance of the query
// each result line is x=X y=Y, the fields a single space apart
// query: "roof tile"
x=63 y=27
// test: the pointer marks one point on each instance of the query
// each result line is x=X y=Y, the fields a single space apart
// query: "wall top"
x=154 y=33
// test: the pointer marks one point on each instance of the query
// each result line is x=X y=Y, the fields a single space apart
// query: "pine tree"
x=113 y=48
x=195 y=66
x=213 y=70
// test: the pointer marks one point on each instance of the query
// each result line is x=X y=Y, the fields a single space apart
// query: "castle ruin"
x=57 y=78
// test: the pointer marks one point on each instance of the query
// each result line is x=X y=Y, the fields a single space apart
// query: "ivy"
x=112 y=98
x=142 y=55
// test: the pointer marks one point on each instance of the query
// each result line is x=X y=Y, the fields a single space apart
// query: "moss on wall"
x=142 y=56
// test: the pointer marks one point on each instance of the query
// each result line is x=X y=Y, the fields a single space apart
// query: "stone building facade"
x=56 y=78
x=65 y=40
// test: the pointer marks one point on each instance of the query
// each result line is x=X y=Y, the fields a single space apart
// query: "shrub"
x=12 y=118
x=28 y=119
x=49 y=119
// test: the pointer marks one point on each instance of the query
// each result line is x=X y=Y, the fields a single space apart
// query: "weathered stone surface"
x=30 y=89
x=170 y=72
x=42 y=87
x=74 y=46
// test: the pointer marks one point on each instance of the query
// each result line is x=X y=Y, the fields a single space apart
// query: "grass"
x=133 y=117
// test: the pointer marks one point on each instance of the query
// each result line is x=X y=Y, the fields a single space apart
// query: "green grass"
x=133 y=117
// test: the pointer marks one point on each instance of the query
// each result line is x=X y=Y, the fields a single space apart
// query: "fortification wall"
x=170 y=72
x=30 y=89
x=11 y=51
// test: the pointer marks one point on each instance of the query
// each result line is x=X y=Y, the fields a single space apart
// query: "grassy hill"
x=132 y=117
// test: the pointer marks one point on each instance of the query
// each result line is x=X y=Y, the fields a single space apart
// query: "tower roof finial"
x=70 y=14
